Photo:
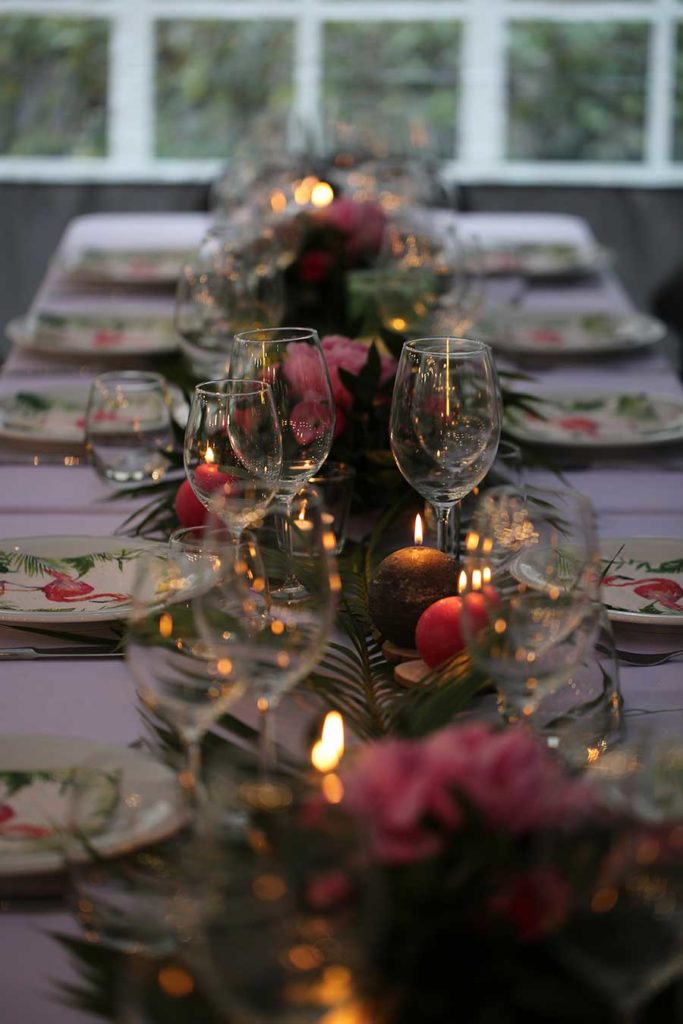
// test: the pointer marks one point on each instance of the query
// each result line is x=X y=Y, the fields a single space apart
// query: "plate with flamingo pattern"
x=55 y=580
x=643 y=580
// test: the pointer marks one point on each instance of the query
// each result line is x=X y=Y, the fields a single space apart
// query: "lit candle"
x=405 y=584
x=326 y=754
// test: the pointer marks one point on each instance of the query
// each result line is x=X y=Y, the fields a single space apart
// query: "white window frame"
x=482 y=108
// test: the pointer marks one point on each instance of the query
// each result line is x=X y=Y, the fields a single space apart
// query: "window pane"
x=678 y=123
x=577 y=91
x=395 y=80
x=53 y=86
x=215 y=78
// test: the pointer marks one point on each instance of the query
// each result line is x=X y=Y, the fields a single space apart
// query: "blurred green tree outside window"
x=213 y=78
x=577 y=91
x=53 y=86
x=393 y=79
x=678 y=115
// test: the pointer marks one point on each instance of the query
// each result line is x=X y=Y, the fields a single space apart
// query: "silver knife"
x=33 y=653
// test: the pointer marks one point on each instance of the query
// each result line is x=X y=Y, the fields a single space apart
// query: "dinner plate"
x=595 y=419
x=58 y=580
x=128 y=266
x=37 y=776
x=55 y=414
x=541 y=259
x=94 y=334
x=566 y=332
x=643 y=582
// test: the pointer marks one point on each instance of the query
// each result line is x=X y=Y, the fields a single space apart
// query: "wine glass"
x=531 y=610
x=233 y=281
x=177 y=675
x=233 y=450
x=292 y=361
x=273 y=646
x=445 y=421
x=416 y=268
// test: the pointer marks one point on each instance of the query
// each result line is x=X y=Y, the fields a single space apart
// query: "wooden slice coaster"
x=411 y=673
x=394 y=653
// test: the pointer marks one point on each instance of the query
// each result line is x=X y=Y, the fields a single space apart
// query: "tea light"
x=405 y=584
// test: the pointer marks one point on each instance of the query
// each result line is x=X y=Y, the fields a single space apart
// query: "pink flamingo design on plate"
x=662 y=591
x=64 y=589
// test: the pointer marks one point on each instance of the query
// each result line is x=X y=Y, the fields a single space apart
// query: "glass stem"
x=190 y=777
x=442 y=516
x=266 y=739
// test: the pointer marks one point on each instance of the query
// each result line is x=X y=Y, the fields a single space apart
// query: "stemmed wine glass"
x=272 y=645
x=177 y=675
x=233 y=450
x=292 y=362
x=445 y=421
x=531 y=612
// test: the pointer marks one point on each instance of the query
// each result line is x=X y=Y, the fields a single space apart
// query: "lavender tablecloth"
x=637 y=493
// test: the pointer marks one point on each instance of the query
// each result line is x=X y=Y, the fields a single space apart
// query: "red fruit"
x=188 y=507
x=208 y=477
x=438 y=634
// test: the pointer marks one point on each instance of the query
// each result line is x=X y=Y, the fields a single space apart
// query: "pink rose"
x=408 y=793
x=347 y=354
x=310 y=419
x=395 y=787
x=535 y=902
x=315 y=265
x=362 y=223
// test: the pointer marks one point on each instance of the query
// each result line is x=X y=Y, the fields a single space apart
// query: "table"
x=635 y=494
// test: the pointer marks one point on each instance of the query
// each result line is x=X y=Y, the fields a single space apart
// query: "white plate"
x=644 y=582
x=55 y=414
x=63 y=580
x=129 y=266
x=90 y=334
x=566 y=332
x=595 y=419
x=45 y=415
x=541 y=259
x=35 y=774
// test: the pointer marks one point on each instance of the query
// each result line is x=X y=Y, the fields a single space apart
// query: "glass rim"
x=442 y=346
x=333 y=470
x=272 y=335
x=134 y=376
x=257 y=386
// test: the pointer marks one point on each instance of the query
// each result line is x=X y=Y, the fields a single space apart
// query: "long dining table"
x=637 y=491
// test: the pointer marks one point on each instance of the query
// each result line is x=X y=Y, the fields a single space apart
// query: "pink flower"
x=362 y=223
x=329 y=889
x=347 y=354
x=395 y=787
x=310 y=419
x=315 y=265
x=535 y=902
x=411 y=794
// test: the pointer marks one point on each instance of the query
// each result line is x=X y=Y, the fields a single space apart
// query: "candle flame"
x=462 y=581
x=327 y=752
x=419 y=531
x=322 y=194
x=209 y=455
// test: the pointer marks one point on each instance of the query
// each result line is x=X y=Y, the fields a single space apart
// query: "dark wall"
x=33 y=219
x=644 y=228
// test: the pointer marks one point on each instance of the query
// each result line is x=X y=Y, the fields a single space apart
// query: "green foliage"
x=577 y=90
x=53 y=82
x=215 y=78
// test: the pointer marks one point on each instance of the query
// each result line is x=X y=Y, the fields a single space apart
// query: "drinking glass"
x=292 y=361
x=177 y=675
x=234 y=281
x=530 y=570
x=415 y=269
x=273 y=648
x=233 y=450
x=128 y=426
x=445 y=421
x=335 y=481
